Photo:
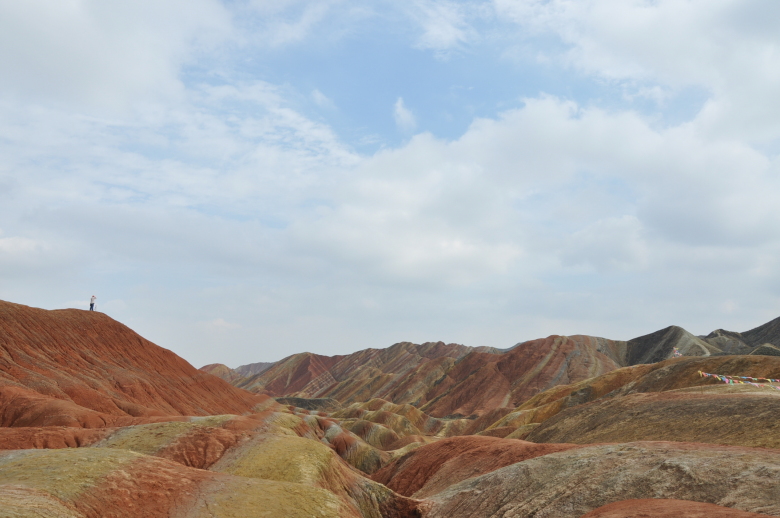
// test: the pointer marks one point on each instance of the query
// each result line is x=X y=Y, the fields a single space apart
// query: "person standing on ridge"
x=92 y=303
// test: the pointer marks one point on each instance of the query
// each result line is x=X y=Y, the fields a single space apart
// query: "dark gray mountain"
x=660 y=345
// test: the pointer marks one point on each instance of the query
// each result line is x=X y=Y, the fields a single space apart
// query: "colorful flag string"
x=737 y=380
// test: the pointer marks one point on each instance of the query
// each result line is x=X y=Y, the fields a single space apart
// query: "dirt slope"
x=432 y=468
x=666 y=508
x=677 y=374
x=402 y=371
x=660 y=345
x=722 y=416
x=573 y=482
x=440 y=379
x=72 y=367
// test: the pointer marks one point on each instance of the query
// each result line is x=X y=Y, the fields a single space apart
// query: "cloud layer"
x=225 y=207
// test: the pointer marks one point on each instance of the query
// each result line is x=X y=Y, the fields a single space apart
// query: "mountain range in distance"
x=96 y=421
x=453 y=380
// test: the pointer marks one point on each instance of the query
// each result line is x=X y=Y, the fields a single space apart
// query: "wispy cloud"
x=321 y=100
x=403 y=116
x=444 y=24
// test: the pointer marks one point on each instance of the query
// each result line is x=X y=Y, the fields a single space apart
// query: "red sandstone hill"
x=441 y=379
x=575 y=481
x=451 y=380
x=79 y=368
x=432 y=468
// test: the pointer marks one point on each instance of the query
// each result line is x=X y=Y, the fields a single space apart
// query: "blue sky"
x=239 y=181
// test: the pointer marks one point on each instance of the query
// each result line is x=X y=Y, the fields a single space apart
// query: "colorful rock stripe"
x=736 y=380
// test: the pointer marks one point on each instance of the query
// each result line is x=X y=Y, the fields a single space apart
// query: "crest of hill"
x=732 y=342
x=308 y=375
x=766 y=333
x=660 y=345
x=79 y=368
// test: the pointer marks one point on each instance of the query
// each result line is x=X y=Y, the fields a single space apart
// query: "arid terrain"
x=96 y=421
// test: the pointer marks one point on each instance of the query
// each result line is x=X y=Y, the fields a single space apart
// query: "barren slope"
x=666 y=508
x=441 y=379
x=432 y=468
x=721 y=416
x=73 y=367
x=573 y=482
x=700 y=396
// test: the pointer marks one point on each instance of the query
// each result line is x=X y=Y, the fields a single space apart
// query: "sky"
x=242 y=180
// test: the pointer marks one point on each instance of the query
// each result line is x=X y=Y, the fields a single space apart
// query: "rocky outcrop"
x=81 y=368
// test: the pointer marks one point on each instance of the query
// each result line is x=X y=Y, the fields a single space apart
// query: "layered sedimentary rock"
x=722 y=416
x=432 y=468
x=677 y=386
x=293 y=451
x=573 y=482
x=81 y=368
x=441 y=379
x=666 y=508
x=660 y=345
x=403 y=370
x=119 y=483
x=406 y=372
x=173 y=443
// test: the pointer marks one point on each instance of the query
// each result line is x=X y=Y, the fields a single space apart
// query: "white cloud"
x=444 y=24
x=280 y=24
x=322 y=100
x=607 y=244
x=109 y=55
x=728 y=48
x=281 y=30
x=18 y=246
x=222 y=196
x=404 y=118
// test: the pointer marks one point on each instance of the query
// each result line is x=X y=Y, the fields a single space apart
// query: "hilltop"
x=82 y=368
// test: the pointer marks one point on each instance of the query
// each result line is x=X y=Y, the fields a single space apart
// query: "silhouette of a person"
x=92 y=303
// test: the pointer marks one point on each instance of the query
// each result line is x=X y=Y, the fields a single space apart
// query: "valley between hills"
x=96 y=421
